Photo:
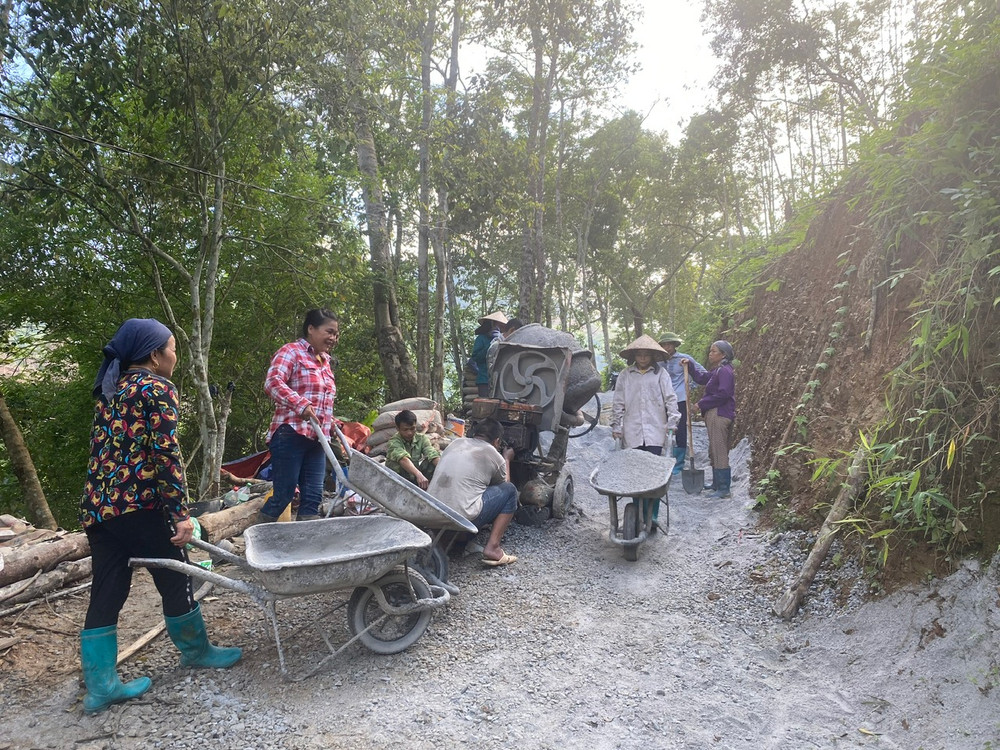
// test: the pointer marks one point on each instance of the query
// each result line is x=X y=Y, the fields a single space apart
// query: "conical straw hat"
x=497 y=316
x=646 y=343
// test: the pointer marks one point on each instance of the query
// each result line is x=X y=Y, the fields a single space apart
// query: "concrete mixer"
x=540 y=381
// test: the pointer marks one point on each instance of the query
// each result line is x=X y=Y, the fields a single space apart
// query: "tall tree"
x=176 y=143
x=24 y=469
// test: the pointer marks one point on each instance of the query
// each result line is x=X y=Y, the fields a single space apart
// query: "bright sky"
x=677 y=65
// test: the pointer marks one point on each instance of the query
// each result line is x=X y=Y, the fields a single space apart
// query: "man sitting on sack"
x=473 y=478
x=409 y=453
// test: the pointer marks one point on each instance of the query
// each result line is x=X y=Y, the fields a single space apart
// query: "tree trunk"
x=401 y=380
x=24 y=469
x=423 y=229
x=440 y=236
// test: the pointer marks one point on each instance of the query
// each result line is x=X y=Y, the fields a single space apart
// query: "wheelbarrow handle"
x=214 y=551
x=196 y=571
x=325 y=442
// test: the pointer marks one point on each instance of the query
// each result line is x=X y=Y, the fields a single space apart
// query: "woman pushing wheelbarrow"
x=644 y=411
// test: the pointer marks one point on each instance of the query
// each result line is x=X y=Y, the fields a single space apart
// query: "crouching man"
x=473 y=478
x=409 y=453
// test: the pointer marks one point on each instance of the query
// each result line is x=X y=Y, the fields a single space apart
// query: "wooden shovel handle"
x=690 y=424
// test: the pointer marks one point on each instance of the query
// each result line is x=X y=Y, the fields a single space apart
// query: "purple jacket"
x=720 y=389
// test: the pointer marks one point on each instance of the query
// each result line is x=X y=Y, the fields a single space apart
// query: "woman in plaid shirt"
x=300 y=382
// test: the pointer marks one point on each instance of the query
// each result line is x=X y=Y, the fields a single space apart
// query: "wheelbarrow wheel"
x=432 y=561
x=389 y=634
x=630 y=530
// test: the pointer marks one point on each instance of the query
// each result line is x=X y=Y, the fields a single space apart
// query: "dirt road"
x=571 y=647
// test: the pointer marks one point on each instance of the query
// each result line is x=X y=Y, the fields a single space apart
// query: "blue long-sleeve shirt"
x=676 y=371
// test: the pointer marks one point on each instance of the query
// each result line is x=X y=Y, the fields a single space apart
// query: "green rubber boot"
x=188 y=634
x=679 y=455
x=723 y=483
x=98 y=654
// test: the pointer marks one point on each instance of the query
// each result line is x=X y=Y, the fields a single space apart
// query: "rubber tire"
x=630 y=530
x=562 y=495
x=592 y=423
x=396 y=634
x=432 y=560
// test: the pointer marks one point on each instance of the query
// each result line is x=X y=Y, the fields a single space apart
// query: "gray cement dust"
x=572 y=647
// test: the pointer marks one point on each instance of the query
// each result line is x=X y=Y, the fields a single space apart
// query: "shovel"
x=693 y=479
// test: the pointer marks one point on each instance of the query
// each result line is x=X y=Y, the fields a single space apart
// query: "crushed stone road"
x=573 y=646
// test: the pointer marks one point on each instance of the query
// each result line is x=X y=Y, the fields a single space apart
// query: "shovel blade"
x=694 y=480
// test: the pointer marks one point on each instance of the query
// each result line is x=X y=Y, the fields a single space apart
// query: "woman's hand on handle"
x=184 y=532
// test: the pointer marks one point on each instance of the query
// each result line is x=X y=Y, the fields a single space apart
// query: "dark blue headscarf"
x=133 y=342
x=726 y=348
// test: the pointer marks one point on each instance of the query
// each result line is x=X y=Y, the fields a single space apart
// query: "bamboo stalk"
x=789 y=602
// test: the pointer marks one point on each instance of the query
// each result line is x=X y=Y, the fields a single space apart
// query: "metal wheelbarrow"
x=390 y=606
x=642 y=478
x=405 y=500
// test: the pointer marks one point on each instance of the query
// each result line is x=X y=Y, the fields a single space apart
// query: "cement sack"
x=380 y=437
x=424 y=417
x=409 y=403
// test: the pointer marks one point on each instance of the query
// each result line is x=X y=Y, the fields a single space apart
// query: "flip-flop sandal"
x=505 y=559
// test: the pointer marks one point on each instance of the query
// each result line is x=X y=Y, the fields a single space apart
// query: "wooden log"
x=229 y=522
x=47 y=598
x=789 y=602
x=25 y=561
x=65 y=573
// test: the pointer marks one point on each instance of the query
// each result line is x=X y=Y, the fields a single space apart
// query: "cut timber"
x=65 y=573
x=229 y=522
x=789 y=602
x=27 y=560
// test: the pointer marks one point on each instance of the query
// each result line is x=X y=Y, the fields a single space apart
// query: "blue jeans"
x=497 y=499
x=295 y=461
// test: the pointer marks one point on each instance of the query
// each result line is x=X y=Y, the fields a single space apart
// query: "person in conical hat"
x=644 y=411
x=675 y=363
x=490 y=328
x=645 y=404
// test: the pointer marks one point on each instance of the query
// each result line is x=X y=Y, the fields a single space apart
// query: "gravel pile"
x=573 y=646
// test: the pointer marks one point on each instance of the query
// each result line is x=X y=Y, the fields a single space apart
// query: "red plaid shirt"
x=295 y=380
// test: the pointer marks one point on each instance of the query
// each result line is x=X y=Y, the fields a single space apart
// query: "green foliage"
x=50 y=409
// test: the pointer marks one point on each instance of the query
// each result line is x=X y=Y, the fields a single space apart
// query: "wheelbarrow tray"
x=402 y=498
x=632 y=473
x=311 y=557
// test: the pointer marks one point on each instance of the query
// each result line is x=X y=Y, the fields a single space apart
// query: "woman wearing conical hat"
x=644 y=411
x=490 y=327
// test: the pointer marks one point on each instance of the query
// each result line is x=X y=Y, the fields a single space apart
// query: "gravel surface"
x=572 y=646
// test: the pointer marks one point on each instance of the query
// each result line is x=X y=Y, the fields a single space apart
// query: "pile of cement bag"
x=428 y=421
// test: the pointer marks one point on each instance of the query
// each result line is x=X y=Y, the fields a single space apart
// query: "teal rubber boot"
x=679 y=454
x=722 y=483
x=188 y=634
x=98 y=654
